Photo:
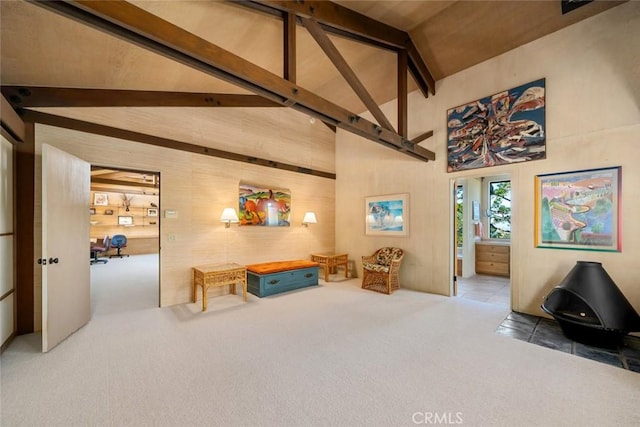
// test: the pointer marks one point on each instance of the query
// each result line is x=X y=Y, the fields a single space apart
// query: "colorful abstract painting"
x=579 y=210
x=264 y=206
x=504 y=128
x=387 y=215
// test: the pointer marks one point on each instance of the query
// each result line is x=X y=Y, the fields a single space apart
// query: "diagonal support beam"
x=144 y=29
x=338 y=60
x=38 y=96
x=422 y=137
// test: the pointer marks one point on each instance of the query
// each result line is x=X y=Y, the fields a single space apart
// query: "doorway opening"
x=125 y=213
x=481 y=238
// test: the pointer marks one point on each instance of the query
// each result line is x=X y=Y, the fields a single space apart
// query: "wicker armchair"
x=381 y=270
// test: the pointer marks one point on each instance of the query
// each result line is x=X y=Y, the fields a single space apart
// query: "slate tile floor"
x=547 y=333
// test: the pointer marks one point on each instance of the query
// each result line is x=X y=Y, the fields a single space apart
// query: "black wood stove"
x=590 y=308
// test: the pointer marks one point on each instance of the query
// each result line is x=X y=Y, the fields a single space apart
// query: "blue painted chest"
x=265 y=284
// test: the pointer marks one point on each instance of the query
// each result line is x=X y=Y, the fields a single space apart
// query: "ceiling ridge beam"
x=348 y=23
x=345 y=70
x=341 y=18
x=138 y=26
x=119 y=133
x=40 y=96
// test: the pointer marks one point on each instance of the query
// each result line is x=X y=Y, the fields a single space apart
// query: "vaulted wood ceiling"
x=42 y=48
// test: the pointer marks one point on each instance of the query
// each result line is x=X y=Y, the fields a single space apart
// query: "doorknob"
x=53 y=260
x=42 y=261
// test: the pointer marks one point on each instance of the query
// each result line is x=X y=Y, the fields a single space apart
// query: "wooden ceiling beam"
x=403 y=93
x=10 y=122
x=151 y=32
x=421 y=74
x=38 y=96
x=32 y=116
x=341 y=18
x=341 y=65
x=122 y=182
x=422 y=137
x=348 y=23
x=289 y=49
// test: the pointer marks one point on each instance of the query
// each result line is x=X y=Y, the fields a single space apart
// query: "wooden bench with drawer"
x=281 y=276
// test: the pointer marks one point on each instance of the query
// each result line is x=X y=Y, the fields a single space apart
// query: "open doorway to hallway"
x=481 y=238
x=125 y=215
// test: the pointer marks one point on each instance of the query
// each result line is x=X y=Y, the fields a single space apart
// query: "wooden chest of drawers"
x=493 y=259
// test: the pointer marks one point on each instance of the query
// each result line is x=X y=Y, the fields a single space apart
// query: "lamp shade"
x=309 y=218
x=229 y=215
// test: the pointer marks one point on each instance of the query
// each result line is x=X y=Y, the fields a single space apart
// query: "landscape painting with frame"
x=268 y=207
x=387 y=215
x=579 y=210
x=505 y=128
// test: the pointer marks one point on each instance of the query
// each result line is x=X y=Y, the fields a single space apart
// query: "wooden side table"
x=218 y=275
x=329 y=261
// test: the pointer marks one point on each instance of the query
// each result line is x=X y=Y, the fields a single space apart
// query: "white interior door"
x=66 y=296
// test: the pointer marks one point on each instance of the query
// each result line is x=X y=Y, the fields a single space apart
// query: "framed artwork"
x=92 y=211
x=504 y=128
x=579 y=210
x=387 y=215
x=108 y=212
x=152 y=212
x=100 y=199
x=261 y=206
x=125 y=220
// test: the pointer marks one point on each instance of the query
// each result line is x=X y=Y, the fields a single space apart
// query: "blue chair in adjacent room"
x=119 y=241
x=97 y=248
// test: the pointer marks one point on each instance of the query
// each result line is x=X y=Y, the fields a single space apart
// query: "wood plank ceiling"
x=318 y=72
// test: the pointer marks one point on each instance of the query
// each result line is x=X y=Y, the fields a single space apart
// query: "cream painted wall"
x=199 y=187
x=592 y=72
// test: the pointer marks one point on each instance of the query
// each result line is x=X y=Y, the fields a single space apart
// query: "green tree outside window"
x=500 y=210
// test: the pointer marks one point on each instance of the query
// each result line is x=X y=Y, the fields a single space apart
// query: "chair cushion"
x=386 y=255
x=375 y=267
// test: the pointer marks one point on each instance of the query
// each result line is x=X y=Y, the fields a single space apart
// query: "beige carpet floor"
x=332 y=355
